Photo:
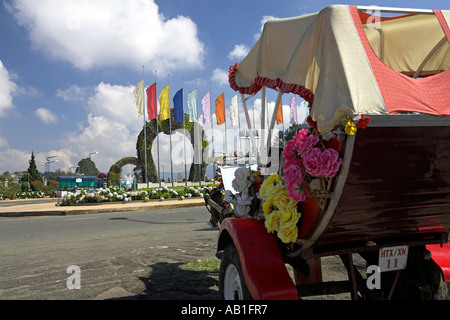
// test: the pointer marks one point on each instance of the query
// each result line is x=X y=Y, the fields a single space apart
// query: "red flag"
x=151 y=102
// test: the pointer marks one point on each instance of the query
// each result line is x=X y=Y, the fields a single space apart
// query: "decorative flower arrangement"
x=307 y=165
x=304 y=161
x=358 y=122
x=279 y=209
x=247 y=183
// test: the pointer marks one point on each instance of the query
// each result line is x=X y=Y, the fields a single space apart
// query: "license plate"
x=393 y=258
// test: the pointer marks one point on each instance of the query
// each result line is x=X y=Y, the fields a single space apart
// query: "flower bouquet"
x=308 y=168
x=245 y=202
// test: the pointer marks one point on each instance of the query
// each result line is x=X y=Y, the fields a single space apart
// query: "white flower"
x=229 y=197
x=245 y=198
x=243 y=179
x=242 y=210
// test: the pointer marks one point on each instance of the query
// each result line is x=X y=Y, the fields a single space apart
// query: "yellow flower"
x=267 y=206
x=288 y=235
x=270 y=187
x=350 y=128
x=283 y=201
x=288 y=226
x=290 y=218
x=279 y=209
x=273 y=221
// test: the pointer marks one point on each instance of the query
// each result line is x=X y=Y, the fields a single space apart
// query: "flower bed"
x=116 y=194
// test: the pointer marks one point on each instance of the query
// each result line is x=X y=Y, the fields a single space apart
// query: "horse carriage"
x=368 y=176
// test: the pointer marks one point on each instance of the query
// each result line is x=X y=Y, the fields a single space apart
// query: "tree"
x=87 y=167
x=33 y=173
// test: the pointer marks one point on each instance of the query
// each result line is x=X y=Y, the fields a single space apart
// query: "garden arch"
x=196 y=171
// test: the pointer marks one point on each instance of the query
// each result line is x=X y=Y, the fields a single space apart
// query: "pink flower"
x=330 y=162
x=312 y=162
x=304 y=143
x=296 y=191
x=293 y=170
x=288 y=150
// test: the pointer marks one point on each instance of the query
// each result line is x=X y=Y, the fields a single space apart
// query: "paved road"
x=20 y=202
x=120 y=255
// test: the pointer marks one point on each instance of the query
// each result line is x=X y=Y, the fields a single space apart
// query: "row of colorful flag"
x=164 y=103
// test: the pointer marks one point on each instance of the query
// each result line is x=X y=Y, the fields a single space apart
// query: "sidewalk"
x=22 y=209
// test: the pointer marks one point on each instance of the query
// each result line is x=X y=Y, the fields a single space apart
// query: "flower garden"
x=115 y=193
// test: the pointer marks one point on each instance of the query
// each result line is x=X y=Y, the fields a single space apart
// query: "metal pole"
x=145 y=132
x=170 y=137
x=157 y=133
x=184 y=139
x=201 y=143
x=212 y=131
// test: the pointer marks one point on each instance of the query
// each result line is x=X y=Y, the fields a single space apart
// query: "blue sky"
x=68 y=69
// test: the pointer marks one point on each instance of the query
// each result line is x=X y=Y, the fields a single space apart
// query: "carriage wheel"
x=231 y=282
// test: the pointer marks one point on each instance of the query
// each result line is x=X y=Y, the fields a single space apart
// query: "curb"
x=62 y=212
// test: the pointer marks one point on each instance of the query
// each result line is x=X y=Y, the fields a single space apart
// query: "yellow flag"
x=164 y=104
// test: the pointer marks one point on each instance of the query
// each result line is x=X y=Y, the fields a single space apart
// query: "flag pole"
x=157 y=132
x=184 y=139
x=239 y=132
x=201 y=144
x=226 y=139
x=145 y=132
x=212 y=131
x=170 y=136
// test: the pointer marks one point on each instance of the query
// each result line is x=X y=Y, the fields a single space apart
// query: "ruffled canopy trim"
x=260 y=82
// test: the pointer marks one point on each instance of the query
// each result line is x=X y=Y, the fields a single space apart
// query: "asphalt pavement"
x=51 y=207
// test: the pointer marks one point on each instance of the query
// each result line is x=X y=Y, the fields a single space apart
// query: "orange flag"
x=220 y=109
x=280 y=114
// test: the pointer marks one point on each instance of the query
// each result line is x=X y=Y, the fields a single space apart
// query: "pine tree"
x=33 y=172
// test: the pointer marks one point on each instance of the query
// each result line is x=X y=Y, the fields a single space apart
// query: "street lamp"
x=95 y=152
x=163 y=173
x=47 y=163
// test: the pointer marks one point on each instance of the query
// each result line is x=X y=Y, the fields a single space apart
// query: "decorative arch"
x=116 y=168
x=196 y=172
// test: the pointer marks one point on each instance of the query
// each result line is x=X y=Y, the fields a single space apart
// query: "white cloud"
x=3 y=142
x=239 y=52
x=112 y=141
x=116 y=104
x=111 y=127
x=100 y=33
x=45 y=115
x=72 y=93
x=14 y=160
x=7 y=89
x=219 y=76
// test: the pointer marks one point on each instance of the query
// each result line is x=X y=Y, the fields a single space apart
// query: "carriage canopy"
x=348 y=62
